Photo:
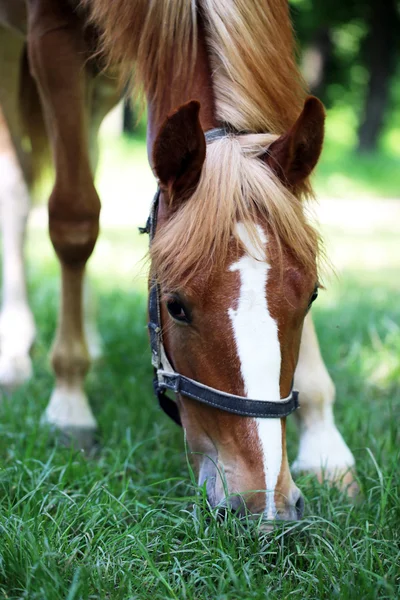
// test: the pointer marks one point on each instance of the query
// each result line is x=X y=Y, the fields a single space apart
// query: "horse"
x=232 y=140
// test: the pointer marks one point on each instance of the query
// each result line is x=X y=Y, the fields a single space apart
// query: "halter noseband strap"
x=166 y=378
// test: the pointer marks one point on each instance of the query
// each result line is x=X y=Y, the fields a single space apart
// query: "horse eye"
x=177 y=310
x=313 y=297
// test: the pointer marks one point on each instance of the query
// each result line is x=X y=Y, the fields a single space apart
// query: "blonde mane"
x=235 y=185
x=257 y=88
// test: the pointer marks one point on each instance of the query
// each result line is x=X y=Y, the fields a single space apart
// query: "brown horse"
x=234 y=256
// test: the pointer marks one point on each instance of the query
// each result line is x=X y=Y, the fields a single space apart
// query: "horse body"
x=233 y=253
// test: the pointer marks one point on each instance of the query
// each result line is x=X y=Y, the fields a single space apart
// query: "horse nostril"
x=300 y=506
x=232 y=504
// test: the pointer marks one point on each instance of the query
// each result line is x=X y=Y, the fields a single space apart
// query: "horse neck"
x=197 y=86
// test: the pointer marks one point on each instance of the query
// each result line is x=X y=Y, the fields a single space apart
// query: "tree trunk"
x=381 y=46
x=316 y=63
x=129 y=119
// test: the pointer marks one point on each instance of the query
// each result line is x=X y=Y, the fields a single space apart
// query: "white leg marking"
x=322 y=448
x=321 y=444
x=92 y=334
x=256 y=336
x=69 y=407
x=17 y=328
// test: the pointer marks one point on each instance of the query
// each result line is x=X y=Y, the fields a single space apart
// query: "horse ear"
x=294 y=154
x=179 y=151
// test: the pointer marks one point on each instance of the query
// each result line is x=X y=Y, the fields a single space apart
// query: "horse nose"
x=292 y=510
x=239 y=506
x=234 y=504
x=299 y=506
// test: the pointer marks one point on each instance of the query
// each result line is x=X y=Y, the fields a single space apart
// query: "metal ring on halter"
x=220 y=132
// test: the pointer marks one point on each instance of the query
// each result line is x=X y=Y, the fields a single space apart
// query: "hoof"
x=80 y=438
x=344 y=479
x=14 y=371
x=74 y=436
x=324 y=453
x=70 y=415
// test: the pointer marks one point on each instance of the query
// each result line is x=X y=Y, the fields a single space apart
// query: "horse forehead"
x=261 y=260
x=218 y=291
x=254 y=243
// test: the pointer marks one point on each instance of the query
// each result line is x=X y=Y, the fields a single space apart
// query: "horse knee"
x=74 y=224
x=71 y=358
x=315 y=386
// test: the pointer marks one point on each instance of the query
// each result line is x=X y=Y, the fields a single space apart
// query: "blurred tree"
x=350 y=49
x=381 y=55
x=129 y=118
x=318 y=62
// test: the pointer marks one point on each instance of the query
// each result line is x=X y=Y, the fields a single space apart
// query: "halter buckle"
x=168 y=380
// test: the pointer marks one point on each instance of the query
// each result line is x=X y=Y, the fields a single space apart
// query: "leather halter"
x=166 y=378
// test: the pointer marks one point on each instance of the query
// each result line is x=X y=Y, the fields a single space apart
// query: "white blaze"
x=256 y=336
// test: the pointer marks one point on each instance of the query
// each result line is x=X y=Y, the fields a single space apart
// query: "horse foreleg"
x=92 y=334
x=17 y=327
x=105 y=95
x=58 y=59
x=322 y=450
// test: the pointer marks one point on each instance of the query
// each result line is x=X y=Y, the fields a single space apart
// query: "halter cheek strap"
x=167 y=379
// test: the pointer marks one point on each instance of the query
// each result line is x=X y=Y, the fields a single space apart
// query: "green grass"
x=129 y=522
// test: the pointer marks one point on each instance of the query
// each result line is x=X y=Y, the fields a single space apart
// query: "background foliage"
x=350 y=54
x=128 y=521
